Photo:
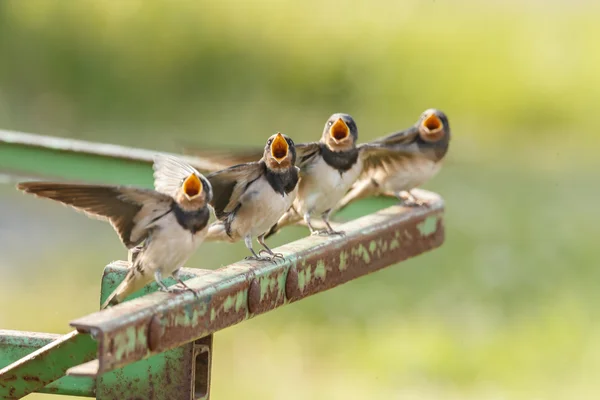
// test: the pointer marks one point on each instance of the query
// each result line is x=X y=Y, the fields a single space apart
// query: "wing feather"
x=131 y=211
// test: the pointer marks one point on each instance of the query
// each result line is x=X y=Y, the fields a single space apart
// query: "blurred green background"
x=507 y=309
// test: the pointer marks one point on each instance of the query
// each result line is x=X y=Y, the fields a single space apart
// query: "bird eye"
x=270 y=141
x=329 y=123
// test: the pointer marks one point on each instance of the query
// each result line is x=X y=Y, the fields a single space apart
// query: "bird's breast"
x=406 y=174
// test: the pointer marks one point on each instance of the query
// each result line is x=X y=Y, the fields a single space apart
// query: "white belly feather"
x=261 y=209
x=406 y=175
x=322 y=187
x=170 y=247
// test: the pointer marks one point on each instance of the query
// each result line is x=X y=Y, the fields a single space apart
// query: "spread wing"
x=393 y=148
x=169 y=173
x=306 y=153
x=229 y=185
x=224 y=158
x=130 y=211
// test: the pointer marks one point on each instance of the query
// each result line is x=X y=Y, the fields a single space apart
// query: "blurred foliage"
x=507 y=308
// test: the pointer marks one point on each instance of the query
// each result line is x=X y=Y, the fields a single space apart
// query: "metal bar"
x=180 y=373
x=137 y=329
x=17 y=344
x=45 y=365
x=25 y=154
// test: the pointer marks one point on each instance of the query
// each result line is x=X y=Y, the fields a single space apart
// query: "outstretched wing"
x=229 y=184
x=130 y=211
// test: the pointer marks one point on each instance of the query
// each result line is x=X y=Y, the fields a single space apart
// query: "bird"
x=401 y=161
x=328 y=168
x=163 y=227
x=250 y=197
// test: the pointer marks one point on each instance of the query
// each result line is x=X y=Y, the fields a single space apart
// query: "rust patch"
x=253 y=296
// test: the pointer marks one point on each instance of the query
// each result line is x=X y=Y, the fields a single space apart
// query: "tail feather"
x=290 y=217
x=359 y=190
x=133 y=282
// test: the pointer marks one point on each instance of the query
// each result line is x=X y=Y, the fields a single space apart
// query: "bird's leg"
x=329 y=231
x=261 y=240
x=254 y=256
x=177 y=277
x=410 y=200
x=158 y=278
x=313 y=231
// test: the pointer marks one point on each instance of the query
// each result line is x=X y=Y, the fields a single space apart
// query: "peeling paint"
x=372 y=246
x=320 y=270
x=343 y=263
x=429 y=226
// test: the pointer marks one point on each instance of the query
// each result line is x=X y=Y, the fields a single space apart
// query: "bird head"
x=280 y=152
x=340 y=132
x=433 y=125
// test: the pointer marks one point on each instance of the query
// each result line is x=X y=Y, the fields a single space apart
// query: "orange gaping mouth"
x=339 y=130
x=192 y=186
x=279 y=148
x=432 y=123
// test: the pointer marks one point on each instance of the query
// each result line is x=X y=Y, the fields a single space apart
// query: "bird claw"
x=258 y=258
x=327 y=232
x=271 y=254
x=409 y=200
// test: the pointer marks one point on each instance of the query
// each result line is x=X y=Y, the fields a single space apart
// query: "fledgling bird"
x=328 y=168
x=404 y=160
x=249 y=198
x=164 y=226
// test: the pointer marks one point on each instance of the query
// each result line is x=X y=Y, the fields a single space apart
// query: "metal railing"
x=159 y=345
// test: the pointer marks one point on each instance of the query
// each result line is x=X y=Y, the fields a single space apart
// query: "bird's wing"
x=306 y=153
x=229 y=185
x=169 y=174
x=131 y=211
x=227 y=158
x=395 y=147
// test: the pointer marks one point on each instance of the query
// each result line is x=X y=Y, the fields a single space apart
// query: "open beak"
x=339 y=130
x=432 y=123
x=279 y=148
x=192 y=186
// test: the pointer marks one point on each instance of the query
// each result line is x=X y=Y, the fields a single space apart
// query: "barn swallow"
x=161 y=227
x=328 y=168
x=249 y=198
x=404 y=160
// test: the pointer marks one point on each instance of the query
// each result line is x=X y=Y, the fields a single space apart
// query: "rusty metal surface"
x=18 y=344
x=45 y=365
x=181 y=373
x=142 y=327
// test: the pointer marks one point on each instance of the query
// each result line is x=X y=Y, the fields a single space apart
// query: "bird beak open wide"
x=192 y=187
x=339 y=130
x=432 y=123
x=279 y=148
x=432 y=128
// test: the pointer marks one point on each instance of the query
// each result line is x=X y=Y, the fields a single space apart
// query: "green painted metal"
x=25 y=154
x=45 y=365
x=15 y=345
x=168 y=375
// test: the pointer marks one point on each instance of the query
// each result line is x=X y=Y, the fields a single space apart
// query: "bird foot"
x=259 y=258
x=273 y=255
x=327 y=232
x=409 y=200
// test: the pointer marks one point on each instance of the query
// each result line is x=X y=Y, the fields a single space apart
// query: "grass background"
x=506 y=309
